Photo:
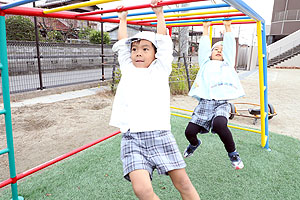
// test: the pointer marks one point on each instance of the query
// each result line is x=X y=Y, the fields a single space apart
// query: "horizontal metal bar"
x=243 y=7
x=203 y=20
x=55 y=160
x=163 y=3
x=70 y=56
x=3 y=151
x=173 y=10
x=2 y=112
x=14 y=4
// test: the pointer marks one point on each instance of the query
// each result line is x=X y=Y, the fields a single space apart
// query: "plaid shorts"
x=150 y=150
x=207 y=110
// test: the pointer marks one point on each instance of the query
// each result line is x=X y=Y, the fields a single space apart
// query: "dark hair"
x=138 y=41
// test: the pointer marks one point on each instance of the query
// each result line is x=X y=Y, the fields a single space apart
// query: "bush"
x=54 y=36
x=95 y=37
x=84 y=33
x=19 y=28
x=178 y=79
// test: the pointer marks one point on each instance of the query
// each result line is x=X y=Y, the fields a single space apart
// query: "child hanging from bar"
x=141 y=110
x=215 y=84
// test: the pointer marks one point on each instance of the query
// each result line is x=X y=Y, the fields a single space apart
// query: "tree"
x=84 y=33
x=19 y=28
x=95 y=37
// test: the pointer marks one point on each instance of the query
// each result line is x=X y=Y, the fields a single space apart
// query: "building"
x=285 y=19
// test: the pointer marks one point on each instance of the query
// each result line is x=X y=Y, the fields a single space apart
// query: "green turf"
x=96 y=173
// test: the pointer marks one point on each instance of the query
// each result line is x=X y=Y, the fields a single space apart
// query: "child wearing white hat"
x=141 y=110
x=215 y=84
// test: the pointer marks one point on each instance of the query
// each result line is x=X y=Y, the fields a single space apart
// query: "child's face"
x=142 y=53
x=217 y=53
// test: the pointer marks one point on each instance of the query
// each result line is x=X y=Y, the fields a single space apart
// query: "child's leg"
x=191 y=132
x=220 y=127
x=141 y=184
x=183 y=184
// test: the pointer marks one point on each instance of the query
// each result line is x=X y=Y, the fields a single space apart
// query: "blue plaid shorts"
x=150 y=150
x=207 y=110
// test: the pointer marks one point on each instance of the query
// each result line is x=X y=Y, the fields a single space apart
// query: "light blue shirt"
x=217 y=79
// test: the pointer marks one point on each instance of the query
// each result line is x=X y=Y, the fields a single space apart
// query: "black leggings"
x=219 y=127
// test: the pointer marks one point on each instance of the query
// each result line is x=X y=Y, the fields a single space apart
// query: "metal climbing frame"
x=240 y=6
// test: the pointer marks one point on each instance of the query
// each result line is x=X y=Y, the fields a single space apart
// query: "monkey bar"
x=242 y=14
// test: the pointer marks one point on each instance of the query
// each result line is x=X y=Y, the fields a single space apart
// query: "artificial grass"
x=96 y=173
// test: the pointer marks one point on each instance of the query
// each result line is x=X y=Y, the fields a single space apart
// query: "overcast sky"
x=245 y=32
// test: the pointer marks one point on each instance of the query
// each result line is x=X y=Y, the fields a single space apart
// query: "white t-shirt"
x=142 y=100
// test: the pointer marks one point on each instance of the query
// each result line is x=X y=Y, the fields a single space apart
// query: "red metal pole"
x=164 y=3
x=170 y=31
x=191 y=18
x=55 y=160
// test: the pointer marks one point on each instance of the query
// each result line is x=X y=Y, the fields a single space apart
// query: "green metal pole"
x=7 y=108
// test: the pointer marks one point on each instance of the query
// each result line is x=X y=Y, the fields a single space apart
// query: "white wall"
x=292 y=62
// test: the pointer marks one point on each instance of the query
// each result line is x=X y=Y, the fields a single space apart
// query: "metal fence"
x=60 y=64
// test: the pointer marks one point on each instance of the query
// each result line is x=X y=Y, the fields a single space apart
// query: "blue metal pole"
x=7 y=108
x=173 y=10
x=244 y=8
x=14 y=4
x=264 y=49
x=203 y=20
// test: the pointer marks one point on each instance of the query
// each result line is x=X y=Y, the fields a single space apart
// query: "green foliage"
x=116 y=81
x=54 y=36
x=19 y=28
x=178 y=78
x=84 y=33
x=95 y=37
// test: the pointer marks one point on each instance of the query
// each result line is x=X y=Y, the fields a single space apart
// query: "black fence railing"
x=60 y=64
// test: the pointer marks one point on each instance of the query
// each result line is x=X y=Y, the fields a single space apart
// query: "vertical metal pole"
x=265 y=71
x=7 y=108
x=262 y=88
x=170 y=31
x=37 y=42
x=210 y=34
x=102 y=50
x=187 y=71
x=113 y=73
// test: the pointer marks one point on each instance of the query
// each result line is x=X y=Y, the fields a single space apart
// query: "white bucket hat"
x=217 y=44
x=144 y=35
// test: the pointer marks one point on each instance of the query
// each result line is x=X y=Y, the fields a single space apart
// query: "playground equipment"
x=242 y=14
x=253 y=112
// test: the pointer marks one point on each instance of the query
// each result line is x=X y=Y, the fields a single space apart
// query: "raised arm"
x=229 y=44
x=227 y=24
x=206 y=25
x=122 y=33
x=161 y=24
x=204 y=50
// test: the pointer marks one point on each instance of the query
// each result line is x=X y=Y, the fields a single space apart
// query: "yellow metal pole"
x=231 y=126
x=210 y=34
x=186 y=14
x=77 y=5
x=261 y=84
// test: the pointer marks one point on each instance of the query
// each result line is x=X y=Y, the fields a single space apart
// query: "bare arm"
x=206 y=25
x=122 y=33
x=161 y=24
x=227 y=24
